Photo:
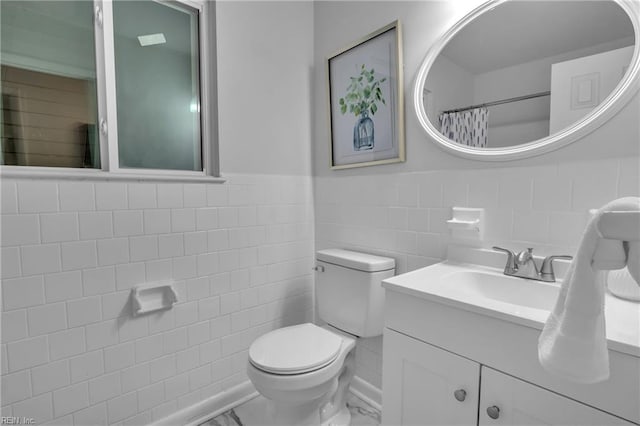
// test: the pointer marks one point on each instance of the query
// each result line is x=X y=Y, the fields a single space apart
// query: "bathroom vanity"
x=460 y=347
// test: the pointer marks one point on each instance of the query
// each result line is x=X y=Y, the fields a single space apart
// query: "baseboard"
x=367 y=392
x=210 y=407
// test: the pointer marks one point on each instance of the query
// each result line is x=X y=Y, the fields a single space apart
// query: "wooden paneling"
x=45 y=118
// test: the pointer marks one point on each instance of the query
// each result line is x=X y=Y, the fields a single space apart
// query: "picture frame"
x=365 y=100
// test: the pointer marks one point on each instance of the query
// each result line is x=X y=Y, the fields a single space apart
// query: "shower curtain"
x=466 y=127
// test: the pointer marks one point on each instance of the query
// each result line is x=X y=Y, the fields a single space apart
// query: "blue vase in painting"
x=363 y=133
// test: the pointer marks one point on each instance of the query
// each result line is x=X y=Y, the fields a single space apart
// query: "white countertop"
x=622 y=317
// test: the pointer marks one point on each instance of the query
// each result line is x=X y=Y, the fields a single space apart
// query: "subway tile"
x=116 y=305
x=67 y=343
x=15 y=387
x=135 y=377
x=47 y=318
x=430 y=193
x=218 y=239
x=140 y=419
x=20 y=229
x=170 y=245
x=63 y=286
x=200 y=377
x=98 y=280
x=176 y=386
x=184 y=267
x=206 y=219
x=183 y=220
x=143 y=248
x=188 y=359
x=175 y=340
x=95 y=225
x=102 y=334
x=150 y=396
x=515 y=191
x=133 y=328
x=142 y=196
x=86 y=366
x=8 y=197
x=70 y=399
x=217 y=195
x=84 y=311
x=113 y=251
x=157 y=221
x=59 y=227
x=127 y=223
x=51 y=376
x=23 y=292
x=104 y=388
x=159 y=270
x=37 y=196
x=38 y=408
x=170 y=195
x=162 y=368
x=228 y=217
x=111 y=196
x=195 y=242
x=27 y=353
x=40 y=259
x=550 y=192
x=149 y=348
x=122 y=407
x=629 y=177
x=130 y=274
x=76 y=196
x=195 y=195
x=118 y=357
x=14 y=325
x=530 y=226
x=10 y=258
x=4 y=359
x=198 y=333
x=79 y=255
x=96 y=415
x=161 y=321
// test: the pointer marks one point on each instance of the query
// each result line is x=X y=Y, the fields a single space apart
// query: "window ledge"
x=19 y=172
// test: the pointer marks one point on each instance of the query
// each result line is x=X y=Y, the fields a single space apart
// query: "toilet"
x=304 y=371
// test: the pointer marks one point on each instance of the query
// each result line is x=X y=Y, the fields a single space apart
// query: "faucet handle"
x=511 y=259
x=546 y=271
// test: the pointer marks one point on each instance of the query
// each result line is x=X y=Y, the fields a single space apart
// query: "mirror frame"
x=613 y=103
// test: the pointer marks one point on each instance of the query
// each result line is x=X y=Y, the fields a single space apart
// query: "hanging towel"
x=573 y=344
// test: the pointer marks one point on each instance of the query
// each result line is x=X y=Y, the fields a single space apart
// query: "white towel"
x=573 y=344
x=621 y=284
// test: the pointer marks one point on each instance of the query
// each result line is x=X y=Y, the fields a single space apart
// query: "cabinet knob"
x=460 y=394
x=493 y=412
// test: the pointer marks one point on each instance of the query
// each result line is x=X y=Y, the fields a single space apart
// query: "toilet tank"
x=349 y=293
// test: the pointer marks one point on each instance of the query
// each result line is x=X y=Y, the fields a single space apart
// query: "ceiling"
x=521 y=31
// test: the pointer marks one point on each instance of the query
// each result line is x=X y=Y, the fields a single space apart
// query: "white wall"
x=240 y=252
x=400 y=210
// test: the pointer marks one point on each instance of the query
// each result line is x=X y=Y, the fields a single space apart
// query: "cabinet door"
x=420 y=381
x=521 y=403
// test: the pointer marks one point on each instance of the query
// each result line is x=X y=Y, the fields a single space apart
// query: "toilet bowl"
x=304 y=371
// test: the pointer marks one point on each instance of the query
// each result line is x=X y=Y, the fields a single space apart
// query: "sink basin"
x=501 y=288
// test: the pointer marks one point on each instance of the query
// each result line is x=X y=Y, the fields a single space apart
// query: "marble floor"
x=251 y=412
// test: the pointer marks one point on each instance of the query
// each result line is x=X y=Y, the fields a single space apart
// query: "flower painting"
x=365 y=101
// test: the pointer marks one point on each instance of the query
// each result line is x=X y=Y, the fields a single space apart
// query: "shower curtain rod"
x=503 y=101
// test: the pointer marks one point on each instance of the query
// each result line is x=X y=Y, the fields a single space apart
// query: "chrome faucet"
x=524 y=265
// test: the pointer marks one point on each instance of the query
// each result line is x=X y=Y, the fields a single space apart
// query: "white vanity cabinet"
x=427 y=385
x=433 y=347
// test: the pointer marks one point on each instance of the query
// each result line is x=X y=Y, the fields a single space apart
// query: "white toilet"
x=304 y=370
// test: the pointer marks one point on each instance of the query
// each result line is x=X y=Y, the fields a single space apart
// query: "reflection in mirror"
x=525 y=70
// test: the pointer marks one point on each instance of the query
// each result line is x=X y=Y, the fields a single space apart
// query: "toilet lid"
x=295 y=350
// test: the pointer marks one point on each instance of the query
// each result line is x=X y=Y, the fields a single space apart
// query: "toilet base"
x=341 y=418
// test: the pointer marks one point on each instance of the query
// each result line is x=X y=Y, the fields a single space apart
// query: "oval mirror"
x=519 y=78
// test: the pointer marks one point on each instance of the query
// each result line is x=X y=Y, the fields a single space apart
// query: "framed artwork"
x=366 y=106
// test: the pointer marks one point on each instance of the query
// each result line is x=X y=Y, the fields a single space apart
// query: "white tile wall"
x=403 y=215
x=240 y=252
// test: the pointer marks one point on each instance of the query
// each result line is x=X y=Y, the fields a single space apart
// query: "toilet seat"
x=294 y=350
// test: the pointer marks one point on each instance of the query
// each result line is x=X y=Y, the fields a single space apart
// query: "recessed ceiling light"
x=151 y=39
